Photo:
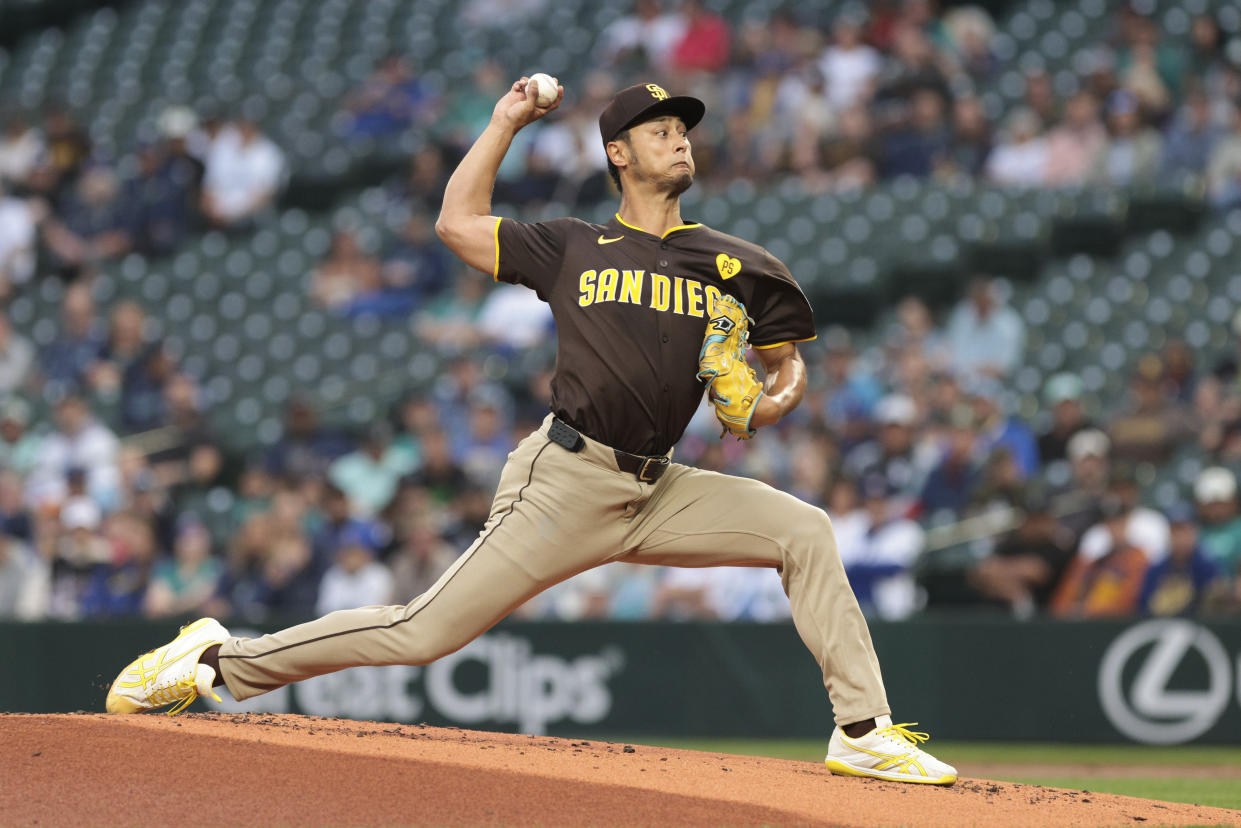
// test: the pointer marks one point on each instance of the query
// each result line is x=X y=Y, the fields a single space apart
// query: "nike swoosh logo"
x=602 y=240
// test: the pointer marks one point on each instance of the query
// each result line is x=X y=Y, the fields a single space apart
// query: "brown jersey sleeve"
x=530 y=254
x=779 y=309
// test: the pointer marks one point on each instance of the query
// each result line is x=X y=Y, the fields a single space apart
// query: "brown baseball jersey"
x=631 y=309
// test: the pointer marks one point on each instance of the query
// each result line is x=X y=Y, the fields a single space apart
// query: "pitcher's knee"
x=812 y=532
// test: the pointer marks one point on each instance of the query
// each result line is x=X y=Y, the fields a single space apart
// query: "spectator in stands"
x=970 y=145
x=422 y=557
x=369 y=475
x=1077 y=504
x=21 y=150
x=243 y=171
x=356 y=579
x=1075 y=144
x=514 y=318
x=950 y=485
x=1206 y=61
x=485 y=443
x=1180 y=377
x=124 y=349
x=16 y=520
x=1150 y=69
x=392 y=100
x=79 y=442
x=305 y=448
x=17 y=359
x=970 y=29
x=163 y=197
x=1224 y=166
x=1040 y=97
x=879 y=555
x=848 y=64
x=143 y=402
x=19 y=224
x=850 y=156
x=423 y=189
x=417 y=265
x=1191 y=138
x=1144 y=528
x=854 y=391
x=183 y=585
x=119 y=588
x=92 y=225
x=705 y=42
x=338 y=523
x=68 y=148
x=1027 y=564
x=67 y=360
x=986 y=338
x=918 y=147
x=20 y=448
x=23 y=581
x=1109 y=585
x=1181 y=583
x=280 y=582
x=1062 y=395
x=912 y=65
x=439 y=473
x=1133 y=151
x=1020 y=157
x=79 y=553
x=644 y=40
x=891 y=455
x=1215 y=491
x=997 y=428
x=568 y=147
x=1151 y=425
x=348 y=276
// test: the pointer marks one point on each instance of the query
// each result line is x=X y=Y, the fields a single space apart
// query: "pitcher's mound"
x=257 y=769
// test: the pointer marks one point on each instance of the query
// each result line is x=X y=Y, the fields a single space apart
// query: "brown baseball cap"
x=644 y=101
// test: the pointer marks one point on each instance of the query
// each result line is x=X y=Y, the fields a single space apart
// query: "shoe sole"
x=841 y=769
x=119 y=705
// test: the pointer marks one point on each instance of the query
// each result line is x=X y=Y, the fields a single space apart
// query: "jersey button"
x=663 y=245
x=665 y=337
x=667 y=388
x=663 y=262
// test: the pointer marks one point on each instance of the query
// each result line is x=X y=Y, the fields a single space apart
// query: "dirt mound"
x=255 y=769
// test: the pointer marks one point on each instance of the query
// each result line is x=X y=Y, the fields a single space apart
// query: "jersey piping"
x=479 y=545
x=785 y=342
x=689 y=226
x=495 y=271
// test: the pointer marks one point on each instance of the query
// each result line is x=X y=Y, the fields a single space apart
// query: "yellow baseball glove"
x=734 y=388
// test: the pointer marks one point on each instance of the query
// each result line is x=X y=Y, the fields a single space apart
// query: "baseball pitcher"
x=651 y=312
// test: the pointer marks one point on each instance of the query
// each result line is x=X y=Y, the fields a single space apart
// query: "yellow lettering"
x=676 y=296
x=586 y=284
x=631 y=286
x=693 y=290
x=713 y=296
x=659 y=292
x=607 y=285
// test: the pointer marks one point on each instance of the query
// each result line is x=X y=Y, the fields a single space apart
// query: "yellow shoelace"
x=902 y=733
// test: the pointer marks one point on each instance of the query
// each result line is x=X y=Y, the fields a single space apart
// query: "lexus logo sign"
x=1136 y=672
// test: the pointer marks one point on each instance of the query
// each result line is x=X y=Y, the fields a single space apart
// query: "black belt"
x=645 y=469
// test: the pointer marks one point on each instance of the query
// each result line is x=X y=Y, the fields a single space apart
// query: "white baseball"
x=547 y=88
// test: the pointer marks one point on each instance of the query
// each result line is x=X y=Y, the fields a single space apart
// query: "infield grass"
x=1201 y=775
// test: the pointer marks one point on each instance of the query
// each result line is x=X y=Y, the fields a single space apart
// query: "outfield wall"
x=1164 y=681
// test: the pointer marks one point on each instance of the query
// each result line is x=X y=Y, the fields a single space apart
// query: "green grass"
x=1162 y=783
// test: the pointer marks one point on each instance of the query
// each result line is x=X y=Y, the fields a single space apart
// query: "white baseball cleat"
x=170 y=673
x=888 y=752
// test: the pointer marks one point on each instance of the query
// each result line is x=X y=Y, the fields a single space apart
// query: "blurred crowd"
x=118 y=497
x=894 y=88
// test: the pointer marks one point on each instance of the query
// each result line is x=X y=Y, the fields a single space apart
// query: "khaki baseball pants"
x=557 y=513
